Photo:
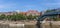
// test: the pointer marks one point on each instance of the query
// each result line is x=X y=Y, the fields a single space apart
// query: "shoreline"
x=18 y=22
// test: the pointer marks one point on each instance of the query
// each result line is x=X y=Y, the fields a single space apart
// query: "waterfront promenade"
x=28 y=24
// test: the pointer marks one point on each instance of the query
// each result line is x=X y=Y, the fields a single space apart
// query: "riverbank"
x=28 y=24
x=18 y=24
x=32 y=22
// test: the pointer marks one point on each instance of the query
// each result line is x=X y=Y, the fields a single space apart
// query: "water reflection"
x=30 y=26
x=7 y=26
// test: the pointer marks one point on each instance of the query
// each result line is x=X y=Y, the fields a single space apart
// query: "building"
x=7 y=13
x=31 y=12
x=24 y=13
x=27 y=13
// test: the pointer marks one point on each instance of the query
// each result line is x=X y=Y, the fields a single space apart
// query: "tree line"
x=21 y=16
x=17 y=17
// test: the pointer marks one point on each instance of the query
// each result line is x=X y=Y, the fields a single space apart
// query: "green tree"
x=17 y=17
x=30 y=17
x=2 y=17
x=20 y=17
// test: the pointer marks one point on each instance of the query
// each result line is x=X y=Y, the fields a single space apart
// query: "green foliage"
x=30 y=17
x=20 y=17
x=55 y=18
x=17 y=17
x=2 y=17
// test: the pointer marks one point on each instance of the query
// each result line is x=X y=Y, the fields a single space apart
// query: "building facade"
x=31 y=12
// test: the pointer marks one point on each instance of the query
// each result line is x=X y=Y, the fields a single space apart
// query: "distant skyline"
x=25 y=5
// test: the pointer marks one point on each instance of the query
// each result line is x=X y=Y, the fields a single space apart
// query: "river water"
x=26 y=26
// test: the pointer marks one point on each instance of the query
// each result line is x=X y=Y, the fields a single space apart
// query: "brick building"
x=31 y=12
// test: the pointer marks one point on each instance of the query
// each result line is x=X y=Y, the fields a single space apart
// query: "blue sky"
x=25 y=5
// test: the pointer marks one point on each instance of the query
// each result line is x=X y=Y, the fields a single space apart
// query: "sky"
x=25 y=5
